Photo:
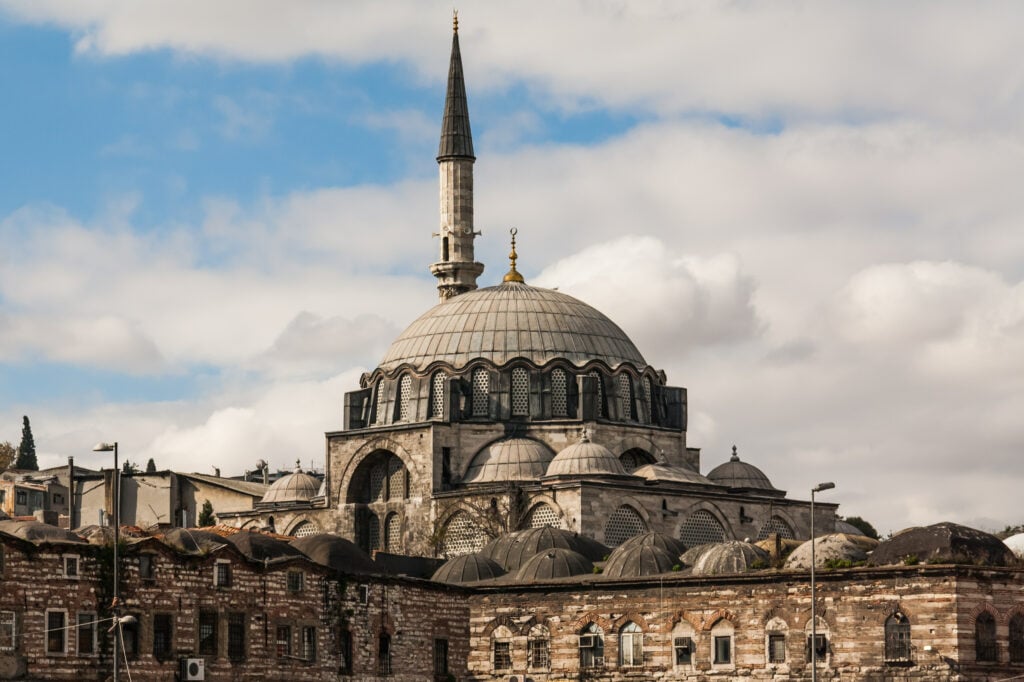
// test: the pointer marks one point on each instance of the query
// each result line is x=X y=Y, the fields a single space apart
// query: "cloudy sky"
x=215 y=216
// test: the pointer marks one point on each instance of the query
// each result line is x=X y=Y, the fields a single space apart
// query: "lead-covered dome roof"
x=740 y=475
x=508 y=321
x=295 y=487
x=510 y=459
x=586 y=459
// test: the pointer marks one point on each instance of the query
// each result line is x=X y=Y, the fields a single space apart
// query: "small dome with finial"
x=740 y=475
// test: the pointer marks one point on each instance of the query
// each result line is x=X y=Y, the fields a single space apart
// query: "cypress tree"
x=150 y=466
x=27 y=449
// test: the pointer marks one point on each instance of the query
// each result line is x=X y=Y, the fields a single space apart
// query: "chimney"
x=71 y=493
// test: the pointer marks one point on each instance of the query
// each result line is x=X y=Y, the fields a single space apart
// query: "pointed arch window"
x=437 y=382
x=378 y=414
x=700 y=528
x=591 y=647
x=559 y=393
x=600 y=393
x=626 y=396
x=624 y=523
x=520 y=392
x=538 y=648
x=403 y=401
x=392 y=533
x=481 y=380
x=897 y=638
x=985 y=647
x=776 y=525
x=648 y=397
x=631 y=645
x=501 y=648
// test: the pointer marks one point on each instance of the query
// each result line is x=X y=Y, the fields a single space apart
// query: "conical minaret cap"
x=456 y=137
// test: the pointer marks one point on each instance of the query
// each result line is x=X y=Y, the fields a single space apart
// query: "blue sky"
x=217 y=215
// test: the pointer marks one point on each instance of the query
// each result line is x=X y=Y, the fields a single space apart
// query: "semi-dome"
x=554 y=563
x=511 y=459
x=468 y=568
x=740 y=475
x=512 y=550
x=295 y=487
x=508 y=321
x=730 y=557
x=664 y=473
x=638 y=560
x=585 y=458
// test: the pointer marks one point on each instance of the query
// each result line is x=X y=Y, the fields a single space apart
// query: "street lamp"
x=814 y=605
x=116 y=604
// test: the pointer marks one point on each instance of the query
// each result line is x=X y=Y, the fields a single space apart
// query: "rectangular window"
x=364 y=594
x=21 y=498
x=222 y=574
x=440 y=659
x=820 y=647
x=236 y=636
x=71 y=566
x=538 y=653
x=8 y=634
x=384 y=655
x=146 y=571
x=683 y=647
x=130 y=634
x=309 y=643
x=56 y=635
x=295 y=580
x=776 y=648
x=58 y=499
x=208 y=633
x=345 y=652
x=86 y=634
x=162 y=632
x=723 y=649
x=284 y=641
x=502 y=655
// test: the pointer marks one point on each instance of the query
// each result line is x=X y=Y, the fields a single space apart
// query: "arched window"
x=397 y=488
x=682 y=645
x=634 y=458
x=775 y=641
x=818 y=640
x=897 y=638
x=591 y=645
x=437 y=382
x=378 y=402
x=626 y=396
x=631 y=645
x=648 y=397
x=481 y=392
x=392 y=533
x=541 y=516
x=403 y=401
x=520 y=392
x=373 y=531
x=462 y=536
x=501 y=648
x=700 y=528
x=559 y=393
x=538 y=648
x=305 y=529
x=384 y=654
x=380 y=477
x=985 y=638
x=722 y=643
x=776 y=525
x=600 y=393
x=378 y=482
x=1017 y=639
x=623 y=524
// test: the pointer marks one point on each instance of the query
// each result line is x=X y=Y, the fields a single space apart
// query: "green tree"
x=129 y=468
x=8 y=453
x=863 y=526
x=150 y=466
x=206 y=515
x=27 y=450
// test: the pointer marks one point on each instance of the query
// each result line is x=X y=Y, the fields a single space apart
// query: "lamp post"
x=116 y=604
x=814 y=605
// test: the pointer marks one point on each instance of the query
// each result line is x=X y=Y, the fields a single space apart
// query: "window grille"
x=305 y=529
x=897 y=638
x=623 y=524
x=373 y=531
x=820 y=646
x=591 y=646
x=222 y=574
x=8 y=632
x=462 y=536
x=345 y=652
x=502 y=655
x=700 y=528
x=645 y=384
x=208 y=633
x=86 y=634
x=404 y=398
x=481 y=392
x=378 y=403
x=162 y=630
x=626 y=396
x=776 y=525
x=440 y=659
x=633 y=459
x=236 y=636
x=683 y=647
x=985 y=638
x=437 y=394
x=378 y=476
x=56 y=641
x=393 y=533
x=295 y=581
x=1017 y=639
x=538 y=648
x=520 y=392
x=776 y=647
x=384 y=655
x=308 y=652
x=541 y=516
x=396 y=479
x=284 y=641
x=600 y=393
x=559 y=394
x=631 y=645
x=71 y=567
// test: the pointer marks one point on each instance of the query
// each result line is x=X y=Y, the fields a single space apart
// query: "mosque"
x=510 y=407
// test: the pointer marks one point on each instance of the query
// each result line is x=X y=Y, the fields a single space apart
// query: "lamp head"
x=824 y=486
x=104 y=447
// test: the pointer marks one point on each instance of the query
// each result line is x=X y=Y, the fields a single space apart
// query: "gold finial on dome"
x=513 y=275
x=455 y=20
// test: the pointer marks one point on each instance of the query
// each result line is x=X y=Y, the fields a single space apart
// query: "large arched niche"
x=381 y=476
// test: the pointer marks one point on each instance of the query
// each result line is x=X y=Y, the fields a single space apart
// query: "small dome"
x=827 y=548
x=335 y=552
x=38 y=532
x=261 y=547
x=667 y=543
x=192 y=540
x=512 y=550
x=670 y=474
x=467 y=568
x=944 y=542
x=295 y=487
x=730 y=557
x=740 y=475
x=638 y=560
x=586 y=459
x=848 y=528
x=511 y=459
x=554 y=563
x=690 y=556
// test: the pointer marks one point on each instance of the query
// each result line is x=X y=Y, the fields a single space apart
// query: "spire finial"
x=735 y=457
x=455 y=20
x=513 y=275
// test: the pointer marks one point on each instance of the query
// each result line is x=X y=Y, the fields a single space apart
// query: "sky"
x=215 y=216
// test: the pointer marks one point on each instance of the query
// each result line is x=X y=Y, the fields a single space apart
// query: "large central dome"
x=508 y=321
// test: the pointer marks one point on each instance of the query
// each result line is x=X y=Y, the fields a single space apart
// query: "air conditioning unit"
x=193 y=669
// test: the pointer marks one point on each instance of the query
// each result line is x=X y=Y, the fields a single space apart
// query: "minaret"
x=457 y=270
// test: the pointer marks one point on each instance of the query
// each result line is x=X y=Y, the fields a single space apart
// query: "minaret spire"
x=456 y=271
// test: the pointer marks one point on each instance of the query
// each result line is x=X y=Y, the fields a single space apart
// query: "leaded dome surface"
x=511 y=459
x=670 y=474
x=740 y=475
x=554 y=563
x=295 y=487
x=585 y=459
x=508 y=321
